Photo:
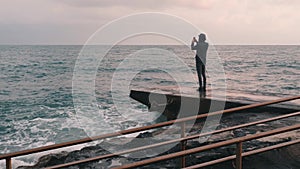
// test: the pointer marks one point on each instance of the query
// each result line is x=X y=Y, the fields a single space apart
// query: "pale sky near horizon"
x=224 y=21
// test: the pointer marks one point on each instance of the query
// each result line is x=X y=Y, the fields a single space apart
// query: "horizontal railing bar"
x=172 y=141
x=138 y=129
x=248 y=153
x=211 y=146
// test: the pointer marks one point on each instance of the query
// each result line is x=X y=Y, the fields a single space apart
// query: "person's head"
x=202 y=37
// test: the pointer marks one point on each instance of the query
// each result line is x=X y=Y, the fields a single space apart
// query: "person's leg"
x=203 y=76
x=198 y=68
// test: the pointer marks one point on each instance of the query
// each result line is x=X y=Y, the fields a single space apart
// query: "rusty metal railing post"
x=8 y=163
x=239 y=157
x=183 y=144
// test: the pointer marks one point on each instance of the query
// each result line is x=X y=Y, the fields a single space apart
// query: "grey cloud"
x=38 y=34
x=148 y=4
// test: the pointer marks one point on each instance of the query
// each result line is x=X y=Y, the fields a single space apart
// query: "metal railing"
x=241 y=154
x=173 y=141
x=8 y=157
x=237 y=141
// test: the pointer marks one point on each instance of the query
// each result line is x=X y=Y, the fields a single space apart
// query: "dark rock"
x=48 y=160
x=239 y=133
x=145 y=135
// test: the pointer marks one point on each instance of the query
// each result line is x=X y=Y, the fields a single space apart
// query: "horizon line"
x=229 y=44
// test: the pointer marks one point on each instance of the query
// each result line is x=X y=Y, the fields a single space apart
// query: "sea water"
x=36 y=104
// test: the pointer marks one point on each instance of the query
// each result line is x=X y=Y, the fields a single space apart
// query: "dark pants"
x=201 y=73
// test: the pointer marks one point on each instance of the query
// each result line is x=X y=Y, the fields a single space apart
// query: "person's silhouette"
x=201 y=51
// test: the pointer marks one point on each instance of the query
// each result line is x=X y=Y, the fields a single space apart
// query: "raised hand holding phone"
x=194 y=39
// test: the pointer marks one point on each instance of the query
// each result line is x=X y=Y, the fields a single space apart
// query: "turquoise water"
x=36 y=106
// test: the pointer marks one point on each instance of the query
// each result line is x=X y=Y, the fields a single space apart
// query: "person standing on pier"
x=201 y=51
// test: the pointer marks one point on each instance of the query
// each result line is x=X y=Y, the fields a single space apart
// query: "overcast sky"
x=224 y=21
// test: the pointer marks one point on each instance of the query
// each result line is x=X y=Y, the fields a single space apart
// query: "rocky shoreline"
x=284 y=158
